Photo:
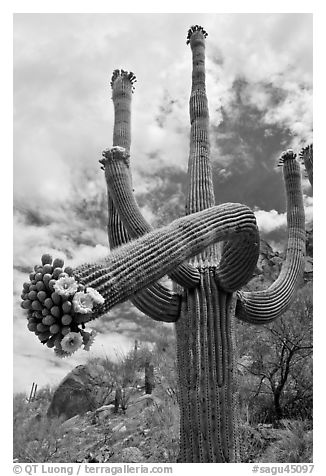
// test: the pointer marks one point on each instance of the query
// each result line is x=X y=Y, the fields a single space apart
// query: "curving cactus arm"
x=157 y=301
x=237 y=264
x=118 y=179
x=261 y=307
x=59 y=301
x=134 y=266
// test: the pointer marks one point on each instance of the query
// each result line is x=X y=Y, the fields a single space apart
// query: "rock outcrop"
x=85 y=388
x=269 y=263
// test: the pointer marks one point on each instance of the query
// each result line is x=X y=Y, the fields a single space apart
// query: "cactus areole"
x=210 y=254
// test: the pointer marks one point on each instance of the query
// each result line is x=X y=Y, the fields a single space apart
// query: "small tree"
x=280 y=361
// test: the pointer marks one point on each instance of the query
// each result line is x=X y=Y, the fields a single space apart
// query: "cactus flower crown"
x=305 y=151
x=120 y=73
x=58 y=306
x=193 y=29
x=286 y=155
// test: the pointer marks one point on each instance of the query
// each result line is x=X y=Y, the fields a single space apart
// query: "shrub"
x=252 y=443
x=163 y=441
x=294 y=444
x=36 y=438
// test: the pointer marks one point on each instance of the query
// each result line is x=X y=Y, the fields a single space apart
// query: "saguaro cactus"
x=210 y=254
x=205 y=341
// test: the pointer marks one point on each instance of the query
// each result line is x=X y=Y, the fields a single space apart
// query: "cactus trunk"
x=205 y=339
x=207 y=385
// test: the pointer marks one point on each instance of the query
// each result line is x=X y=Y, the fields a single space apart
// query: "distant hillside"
x=270 y=263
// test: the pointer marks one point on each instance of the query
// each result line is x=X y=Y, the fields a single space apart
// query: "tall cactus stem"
x=200 y=184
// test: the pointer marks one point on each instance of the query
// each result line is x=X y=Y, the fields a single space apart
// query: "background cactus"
x=306 y=154
x=206 y=294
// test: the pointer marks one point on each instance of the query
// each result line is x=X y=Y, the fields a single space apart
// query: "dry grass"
x=293 y=445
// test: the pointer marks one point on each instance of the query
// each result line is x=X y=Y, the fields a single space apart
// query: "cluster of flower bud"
x=286 y=155
x=193 y=29
x=56 y=306
x=124 y=74
x=304 y=151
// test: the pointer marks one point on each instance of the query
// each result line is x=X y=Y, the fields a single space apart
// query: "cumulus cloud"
x=272 y=53
x=272 y=220
x=269 y=221
x=54 y=127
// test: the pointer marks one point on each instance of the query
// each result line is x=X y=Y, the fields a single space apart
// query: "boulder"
x=71 y=423
x=104 y=412
x=105 y=408
x=84 y=389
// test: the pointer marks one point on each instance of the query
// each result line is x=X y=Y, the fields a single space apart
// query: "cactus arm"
x=238 y=263
x=117 y=234
x=167 y=306
x=260 y=307
x=200 y=193
x=127 y=219
x=306 y=155
x=158 y=303
x=118 y=179
x=141 y=262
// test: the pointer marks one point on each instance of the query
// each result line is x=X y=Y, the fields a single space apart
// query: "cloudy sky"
x=259 y=85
